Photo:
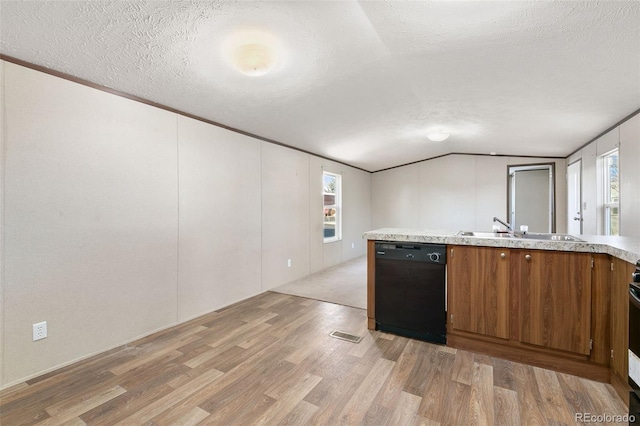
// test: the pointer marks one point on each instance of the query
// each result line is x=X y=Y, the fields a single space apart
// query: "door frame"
x=512 y=168
x=579 y=213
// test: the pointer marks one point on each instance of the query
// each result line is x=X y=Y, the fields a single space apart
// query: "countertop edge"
x=625 y=248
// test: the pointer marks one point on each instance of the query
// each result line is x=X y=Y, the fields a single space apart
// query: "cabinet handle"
x=502 y=255
x=528 y=257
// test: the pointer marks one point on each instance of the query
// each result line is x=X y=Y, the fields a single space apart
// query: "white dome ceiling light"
x=253 y=52
x=438 y=135
x=253 y=59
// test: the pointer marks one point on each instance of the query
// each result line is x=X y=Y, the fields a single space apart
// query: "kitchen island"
x=561 y=305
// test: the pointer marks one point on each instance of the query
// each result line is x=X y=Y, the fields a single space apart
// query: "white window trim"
x=337 y=206
x=605 y=189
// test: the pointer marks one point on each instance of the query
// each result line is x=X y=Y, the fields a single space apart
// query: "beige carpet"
x=344 y=284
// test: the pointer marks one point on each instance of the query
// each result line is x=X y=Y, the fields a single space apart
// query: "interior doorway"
x=531 y=197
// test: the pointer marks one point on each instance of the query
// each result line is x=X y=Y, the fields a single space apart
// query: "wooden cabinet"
x=554 y=298
x=479 y=290
x=550 y=300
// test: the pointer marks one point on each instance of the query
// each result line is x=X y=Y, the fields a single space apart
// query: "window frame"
x=337 y=206
x=608 y=205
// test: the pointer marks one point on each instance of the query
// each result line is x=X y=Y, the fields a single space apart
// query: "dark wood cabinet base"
x=515 y=351
x=621 y=387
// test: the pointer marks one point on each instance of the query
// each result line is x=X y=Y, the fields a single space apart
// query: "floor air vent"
x=345 y=336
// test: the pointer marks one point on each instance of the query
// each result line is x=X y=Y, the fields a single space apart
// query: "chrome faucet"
x=506 y=225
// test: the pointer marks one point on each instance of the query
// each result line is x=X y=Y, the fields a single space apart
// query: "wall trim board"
x=627 y=118
x=470 y=154
x=112 y=91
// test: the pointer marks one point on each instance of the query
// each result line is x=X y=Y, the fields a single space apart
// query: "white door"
x=574 y=201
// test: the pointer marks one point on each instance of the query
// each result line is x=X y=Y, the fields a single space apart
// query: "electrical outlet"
x=39 y=331
x=288 y=263
x=353 y=245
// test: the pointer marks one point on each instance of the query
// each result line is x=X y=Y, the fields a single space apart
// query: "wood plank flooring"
x=270 y=360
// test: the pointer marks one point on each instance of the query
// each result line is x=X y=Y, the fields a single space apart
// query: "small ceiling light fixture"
x=252 y=52
x=253 y=59
x=438 y=135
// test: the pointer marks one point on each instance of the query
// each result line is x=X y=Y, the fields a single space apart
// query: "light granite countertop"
x=625 y=248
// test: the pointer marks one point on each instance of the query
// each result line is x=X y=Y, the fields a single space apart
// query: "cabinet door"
x=479 y=290
x=620 y=317
x=555 y=299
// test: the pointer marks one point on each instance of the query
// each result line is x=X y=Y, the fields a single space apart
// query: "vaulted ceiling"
x=361 y=82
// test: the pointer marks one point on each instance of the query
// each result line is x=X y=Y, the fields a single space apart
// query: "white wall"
x=220 y=220
x=627 y=138
x=395 y=200
x=630 y=177
x=356 y=213
x=316 y=245
x=290 y=181
x=448 y=193
x=127 y=219
x=455 y=192
x=90 y=220
x=285 y=215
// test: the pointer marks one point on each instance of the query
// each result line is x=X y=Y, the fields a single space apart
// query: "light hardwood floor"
x=270 y=360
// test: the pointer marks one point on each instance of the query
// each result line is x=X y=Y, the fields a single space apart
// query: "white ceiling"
x=360 y=82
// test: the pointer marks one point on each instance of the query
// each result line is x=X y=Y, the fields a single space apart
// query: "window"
x=331 y=224
x=611 y=192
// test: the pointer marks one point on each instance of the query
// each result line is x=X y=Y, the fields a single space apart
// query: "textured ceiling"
x=359 y=82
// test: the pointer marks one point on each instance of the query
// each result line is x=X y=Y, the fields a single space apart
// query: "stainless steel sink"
x=485 y=234
x=548 y=237
x=527 y=236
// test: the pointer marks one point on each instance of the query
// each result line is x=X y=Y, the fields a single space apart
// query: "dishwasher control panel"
x=431 y=253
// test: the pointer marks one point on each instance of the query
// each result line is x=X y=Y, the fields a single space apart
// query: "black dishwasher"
x=410 y=293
